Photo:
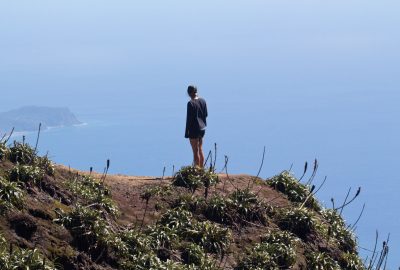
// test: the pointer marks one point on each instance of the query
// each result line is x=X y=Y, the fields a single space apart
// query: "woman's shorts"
x=197 y=135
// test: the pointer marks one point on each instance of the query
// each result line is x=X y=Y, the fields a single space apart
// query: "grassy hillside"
x=53 y=217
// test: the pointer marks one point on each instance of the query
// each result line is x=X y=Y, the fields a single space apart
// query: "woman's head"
x=192 y=91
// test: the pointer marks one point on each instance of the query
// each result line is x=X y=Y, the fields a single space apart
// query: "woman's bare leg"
x=196 y=155
x=201 y=153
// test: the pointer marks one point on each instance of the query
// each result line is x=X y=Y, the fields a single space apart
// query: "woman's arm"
x=206 y=111
x=188 y=119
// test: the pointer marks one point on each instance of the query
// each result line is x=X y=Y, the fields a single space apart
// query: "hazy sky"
x=70 y=52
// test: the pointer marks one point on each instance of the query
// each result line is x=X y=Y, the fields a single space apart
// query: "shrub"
x=46 y=165
x=22 y=153
x=193 y=178
x=10 y=195
x=211 y=237
x=257 y=259
x=89 y=228
x=27 y=174
x=282 y=247
x=144 y=262
x=171 y=225
x=321 y=261
x=295 y=191
x=162 y=237
x=177 y=219
x=4 y=151
x=154 y=191
x=150 y=261
x=135 y=243
x=277 y=250
x=217 y=209
x=21 y=258
x=299 y=221
x=94 y=192
x=194 y=256
x=351 y=261
x=189 y=202
x=247 y=206
x=279 y=237
x=241 y=205
x=339 y=231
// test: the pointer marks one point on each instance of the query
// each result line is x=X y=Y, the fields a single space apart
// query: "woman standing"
x=196 y=123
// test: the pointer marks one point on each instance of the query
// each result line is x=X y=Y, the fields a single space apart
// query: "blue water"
x=307 y=79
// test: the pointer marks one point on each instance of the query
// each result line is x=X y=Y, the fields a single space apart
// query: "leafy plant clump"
x=300 y=221
x=247 y=205
x=257 y=258
x=46 y=165
x=17 y=258
x=89 y=228
x=351 y=261
x=22 y=153
x=10 y=195
x=189 y=202
x=240 y=206
x=155 y=191
x=321 y=261
x=176 y=230
x=193 y=255
x=283 y=246
x=339 y=231
x=94 y=192
x=27 y=174
x=4 y=151
x=193 y=178
x=210 y=236
x=136 y=243
x=296 y=192
x=277 y=250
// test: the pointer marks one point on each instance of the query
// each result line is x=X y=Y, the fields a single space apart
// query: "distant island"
x=28 y=118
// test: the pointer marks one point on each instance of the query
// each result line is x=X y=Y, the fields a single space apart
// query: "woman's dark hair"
x=192 y=90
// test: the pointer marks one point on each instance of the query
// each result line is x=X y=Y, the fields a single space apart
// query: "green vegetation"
x=210 y=236
x=194 y=255
x=4 y=151
x=180 y=229
x=296 y=192
x=277 y=250
x=339 y=231
x=89 y=228
x=189 y=202
x=321 y=261
x=10 y=195
x=26 y=174
x=299 y=221
x=351 y=261
x=240 y=206
x=193 y=178
x=15 y=258
x=45 y=164
x=155 y=191
x=22 y=153
x=94 y=193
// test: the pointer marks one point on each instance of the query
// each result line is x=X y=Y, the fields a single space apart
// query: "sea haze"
x=307 y=79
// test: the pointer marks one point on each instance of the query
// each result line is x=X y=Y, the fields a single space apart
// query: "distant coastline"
x=27 y=119
x=25 y=132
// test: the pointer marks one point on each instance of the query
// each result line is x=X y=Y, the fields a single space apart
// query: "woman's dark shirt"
x=196 y=119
